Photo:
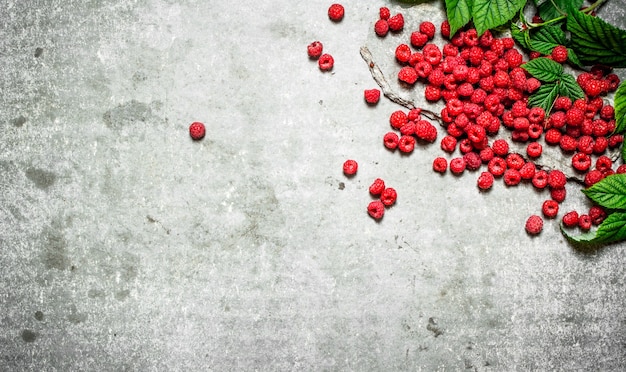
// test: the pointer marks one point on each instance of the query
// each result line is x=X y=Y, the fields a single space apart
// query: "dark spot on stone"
x=15 y=212
x=126 y=114
x=122 y=295
x=55 y=250
x=41 y=178
x=19 y=121
x=433 y=327
x=321 y=102
x=29 y=336
x=38 y=52
x=342 y=185
x=95 y=293
x=39 y=315
x=76 y=317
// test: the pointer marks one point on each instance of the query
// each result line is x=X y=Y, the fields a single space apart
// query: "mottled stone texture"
x=126 y=246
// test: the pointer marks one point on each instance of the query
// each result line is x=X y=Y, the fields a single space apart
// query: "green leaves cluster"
x=555 y=83
x=485 y=14
x=609 y=193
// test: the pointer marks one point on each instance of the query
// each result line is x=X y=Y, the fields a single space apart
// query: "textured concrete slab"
x=127 y=246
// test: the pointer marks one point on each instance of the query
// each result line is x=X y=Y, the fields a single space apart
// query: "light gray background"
x=127 y=246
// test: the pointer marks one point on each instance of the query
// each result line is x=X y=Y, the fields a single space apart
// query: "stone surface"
x=127 y=246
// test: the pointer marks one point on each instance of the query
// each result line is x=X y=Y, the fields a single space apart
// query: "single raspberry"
x=414 y=114
x=536 y=115
x=432 y=54
x=508 y=42
x=570 y=219
x=447 y=95
x=424 y=130
x=553 y=136
x=607 y=112
x=532 y=84
x=534 y=225
x=501 y=79
x=408 y=129
x=621 y=169
x=478 y=96
x=563 y=103
x=427 y=28
x=465 y=89
x=592 y=177
x=432 y=93
x=403 y=53
x=534 y=149
x=398 y=119
x=597 y=214
x=496 y=166
x=423 y=69
x=336 y=12
x=372 y=96
x=514 y=161
x=470 y=37
x=557 y=119
x=465 y=146
x=326 y=62
x=540 y=180
x=581 y=162
x=615 y=140
x=613 y=81
x=440 y=164
x=418 y=39
x=448 y=143
x=486 y=39
x=592 y=88
x=528 y=170
x=376 y=209
x=558 y=194
x=574 y=116
x=559 y=54
x=521 y=124
x=486 y=154
x=388 y=196
x=513 y=57
x=472 y=161
x=604 y=163
x=520 y=109
x=391 y=140
x=407 y=75
x=384 y=13
x=600 y=145
x=450 y=50
x=476 y=133
x=396 y=23
x=535 y=131
x=568 y=143
x=377 y=187
x=315 y=49
x=381 y=27
x=556 y=179
x=350 y=167
x=454 y=130
x=445 y=29
x=600 y=128
x=485 y=181
x=475 y=56
x=520 y=136
x=584 y=222
x=550 y=208
x=512 y=177
x=457 y=165
x=500 y=147
x=197 y=130
x=585 y=145
x=406 y=143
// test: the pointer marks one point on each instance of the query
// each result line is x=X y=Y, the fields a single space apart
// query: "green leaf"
x=619 y=103
x=459 y=14
x=572 y=57
x=569 y=87
x=544 y=69
x=596 y=41
x=488 y=14
x=611 y=230
x=544 y=96
x=551 y=9
x=522 y=37
x=610 y=192
x=586 y=240
x=546 y=38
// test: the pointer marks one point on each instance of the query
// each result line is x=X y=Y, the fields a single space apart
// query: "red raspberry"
x=440 y=164
x=423 y=69
x=377 y=187
x=574 y=116
x=403 y=53
x=472 y=160
x=613 y=81
x=376 y=209
x=500 y=147
x=558 y=194
x=372 y=96
x=445 y=29
x=562 y=103
x=584 y=222
x=432 y=54
x=486 y=154
x=476 y=133
x=553 y=136
x=514 y=161
x=501 y=79
x=557 y=119
x=350 y=167
x=315 y=49
x=540 y=180
x=556 y=179
x=450 y=50
x=536 y=115
x=197 y=130
x=508 y=42
x=600 y=128
x=326 y=62
x=457 y=165
x=496 y=166
x=592 y=177
x=406 y=144
x=521 y=124
x=465 y=90
x=597 y=214
x=487 y=84
x=615 y=140
x=512 y=177
x=388 y=196
x=528 y=170
x=568 y=143
x=581 y=162
x=381 y=27
x=448 y=143
x=408 y=129
x=486 y=39
x=550 y=208
x=607 y=112
x=391 y=140
x=600 y=145
x=559 y=54
x=534 y=149
x=335 y=12
x=436 y=77
x=396 y=23
x=621 y=169
x=432 y=93
x=570 y=219
x=465 y=146
x=454 y=130
x=585 y=145
x=407 y=75
x=475 y=55
x=604 y=163
x=470 y=37
x=534 y=225
x=398 y=119
x=425 y=131
x=414 y=114
x=520 y=136
x=532 y=84
x=592 y=88
x=478 y=96
x=384 y=13
x=513 y=57
x=427 y=28
x=485 y=181
x=535 y=131
x=418 y=39
x=519 y=109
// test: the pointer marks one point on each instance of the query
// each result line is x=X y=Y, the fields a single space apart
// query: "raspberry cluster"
x=385 y=197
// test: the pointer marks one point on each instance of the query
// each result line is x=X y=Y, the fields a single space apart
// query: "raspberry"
x=592 y=177
x=486 y=39
x=500 y=147
x=350 y=167
x=197 y=130
x=381 y=27
x=550 y=208
x=514 y=161
x=406 y=143
x=600 y=128
x=568 y=143
x=425 y=131
x=403 y=53
x=512 y=177
x=391 y=140
x=465 y=146
x=508 y=42
x=558 y=194
x=535 y=131
x=486 y=154
x=450 y=50
x=377 y=187
x=335 y=12
x=408 y=129
x=440 y=164
x=476 y=133
x=487 y=84
x=427 y=28
x=592 y=88
x=540 y=180
x=519 y=109
x=418 y=39
x=556 y=179
x=423 y=69
x=314 y=49
x=562 y=103
x=408 y=75
x=396 y=23
x=570 y=219
x=534 y=149
x=607 y=112
x=520 y=136
x=501 y=79
x=597 y=214
x=615 y=140
x=532 y=84
x=414 y=114
x=513 y=57
x=534 y=225
x=528 y=170
x=384 y=13
x=581 y=162
x=398 y=119
x=432 y=54
x=552 y=137
x=465 y=90
x=600 y=145
x=472 y=160
x=445 y=29
x=621 y=169
x=521 y=124
x=457 y=165
x=496 y=166
x=604 y=163
x=536 y=115
x=470 y=37
x=557 y=119
x=372 y=96
x=454 y=130
x=485 y=181
x=326 y=62
x=584 y=222
x=559 y=54
x=585 y=145
x=388 y=196
x=376 y=209
x=448 y=143
x=475 y=56
x=432 y=93
x=613 y=81
x=478 y=96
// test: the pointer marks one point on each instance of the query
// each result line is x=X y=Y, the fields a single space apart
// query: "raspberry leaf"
x=459 y=14
x=521 y=36
x=546 y=38
x=595 y=40
x=489 y=14
x=569 y=87
x=610 y=192
x=544 y=97
x=620 y=108
x=551 y=9
x=544 y=69
x=611 y=230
